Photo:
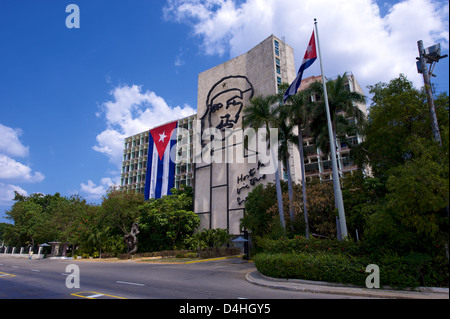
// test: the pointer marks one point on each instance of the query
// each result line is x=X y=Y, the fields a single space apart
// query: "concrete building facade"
x=223 y=93
x=221 y=183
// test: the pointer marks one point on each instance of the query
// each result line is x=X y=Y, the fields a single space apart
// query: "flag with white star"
x=309 y=58
x=160 y=166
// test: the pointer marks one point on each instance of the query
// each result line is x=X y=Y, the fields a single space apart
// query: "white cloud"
x=18 y=172
x=7 y=193
x=132 y=111
x=354 y=36
x=179 y=58
x=10 y=144
x=111 y=142
x=93 y=191
x=12 y=171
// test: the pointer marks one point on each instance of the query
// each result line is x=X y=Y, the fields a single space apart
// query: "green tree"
x=3 y=227
x=363 y=196
x=343 y=105
x=120 y=209
x=72 y=220
x=321 y=211
x=419 y=190
x=257 y=219
x=27 y=219
x=166 y=222
x=31 y=216
x=414 y=169
x=398 y=111
x=260 y=114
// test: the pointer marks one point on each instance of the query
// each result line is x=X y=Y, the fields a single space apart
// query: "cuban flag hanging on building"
x=310 y=57
x=160 y=167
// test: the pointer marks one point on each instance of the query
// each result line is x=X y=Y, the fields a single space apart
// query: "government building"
x=222 y=173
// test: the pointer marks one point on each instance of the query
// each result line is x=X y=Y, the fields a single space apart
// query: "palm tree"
x=298 y=110
x=286 y=137
x=259 y=114
x=342 y=106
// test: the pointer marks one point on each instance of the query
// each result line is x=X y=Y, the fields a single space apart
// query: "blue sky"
x=68 y=97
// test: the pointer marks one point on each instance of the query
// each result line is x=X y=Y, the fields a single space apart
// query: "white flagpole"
x=337 y=187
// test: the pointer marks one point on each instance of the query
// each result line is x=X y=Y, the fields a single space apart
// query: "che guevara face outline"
x=228 y=100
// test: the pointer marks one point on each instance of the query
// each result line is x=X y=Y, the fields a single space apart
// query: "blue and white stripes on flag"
x=310 y=57
x=160 y=174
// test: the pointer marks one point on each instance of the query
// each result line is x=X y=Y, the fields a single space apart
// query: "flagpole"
x=336 y=185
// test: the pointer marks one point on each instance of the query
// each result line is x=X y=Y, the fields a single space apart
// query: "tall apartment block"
x=135 y=156
x=134 y=164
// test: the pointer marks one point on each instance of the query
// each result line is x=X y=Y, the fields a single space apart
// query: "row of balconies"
x=131 y=166
x=136 y=140
x=133 y=179
x=130 y=154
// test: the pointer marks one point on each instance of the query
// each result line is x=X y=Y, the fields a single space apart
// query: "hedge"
x=301 y=244
x=204 y=253
x=317 y=267
x=398 y=272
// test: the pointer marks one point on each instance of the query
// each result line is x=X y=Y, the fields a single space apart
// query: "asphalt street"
x=52 y=279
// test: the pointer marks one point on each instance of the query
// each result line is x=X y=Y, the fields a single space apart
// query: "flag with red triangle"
x=308 y=59
x=160 y=166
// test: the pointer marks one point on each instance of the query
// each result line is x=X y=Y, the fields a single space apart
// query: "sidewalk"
x=326 y=288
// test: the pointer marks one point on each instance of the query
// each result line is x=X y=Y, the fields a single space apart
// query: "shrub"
x=125 y=256
x=219 y=252
x=186 y=255
x=300 y=244
x=318 y=267
x=216 y=237
x=412 y=270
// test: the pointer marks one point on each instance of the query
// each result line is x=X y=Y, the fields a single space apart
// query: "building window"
x=278 y=80
x=277 y=47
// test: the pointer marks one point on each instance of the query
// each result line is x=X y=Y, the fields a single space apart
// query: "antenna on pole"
x=430 y=55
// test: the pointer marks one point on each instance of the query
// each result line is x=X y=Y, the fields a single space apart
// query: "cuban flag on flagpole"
x=310 y=57
x=160 y=167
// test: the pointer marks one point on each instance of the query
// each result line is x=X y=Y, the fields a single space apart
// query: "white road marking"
x=129 y=283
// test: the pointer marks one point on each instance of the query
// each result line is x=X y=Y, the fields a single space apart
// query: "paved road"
x=224 y=279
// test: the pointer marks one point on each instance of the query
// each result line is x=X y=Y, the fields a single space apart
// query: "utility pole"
x=422 y=68
x=431 y=55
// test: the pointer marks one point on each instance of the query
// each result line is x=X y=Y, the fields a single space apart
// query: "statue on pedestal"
x=131 y=239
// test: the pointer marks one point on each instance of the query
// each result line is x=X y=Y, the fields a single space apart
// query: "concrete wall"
x=223 y=93
x=19 y=252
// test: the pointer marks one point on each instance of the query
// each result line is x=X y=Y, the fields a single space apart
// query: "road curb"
x=212 y=259
x=257 y=278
